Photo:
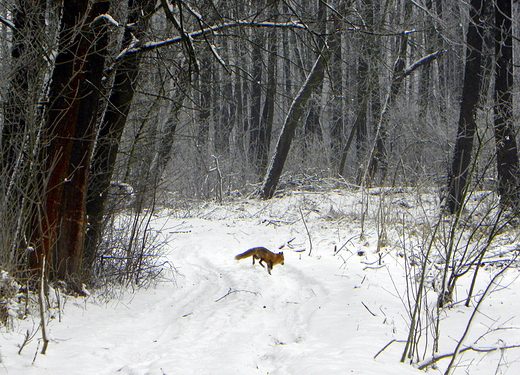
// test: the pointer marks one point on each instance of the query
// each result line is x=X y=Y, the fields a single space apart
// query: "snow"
x=320 y=313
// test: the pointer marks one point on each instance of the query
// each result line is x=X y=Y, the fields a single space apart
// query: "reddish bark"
x=69 y=249
x=66 y=100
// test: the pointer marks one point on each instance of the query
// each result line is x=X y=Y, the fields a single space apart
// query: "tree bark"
x=267 y=118
x=368 y=89
x=336 y=73
x=458 y=175
x=256 y=136
x=314 y=79
x=58 y=133
x=112 y=127
x=505 y=137
x=312 y=127
x=70 y=244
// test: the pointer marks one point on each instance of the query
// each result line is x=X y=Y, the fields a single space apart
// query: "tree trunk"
x=228 y=111
x=314 y=80
x=312 y=122
x=458 y=175
x=163 y=155
x=378 y=160
x=266 y=121
x=112 y=127
x=70 y=243
x=205 y=102
x=336 y=72
x=255 y=133
x=58 y=133
x=368 y=89
x=505 y=137
x=362 y=99
x=432 y=42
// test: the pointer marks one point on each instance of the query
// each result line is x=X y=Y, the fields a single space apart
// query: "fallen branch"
x=231 y=291
x=431 y=361
x=386 y=346
x=366 y=307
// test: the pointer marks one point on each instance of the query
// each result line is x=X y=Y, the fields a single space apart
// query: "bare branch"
x=8 y=23
x=150 y=46
x=436 y=359
x=186 y=39
x=423 y=61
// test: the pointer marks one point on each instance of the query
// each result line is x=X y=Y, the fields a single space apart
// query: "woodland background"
x=111 y=106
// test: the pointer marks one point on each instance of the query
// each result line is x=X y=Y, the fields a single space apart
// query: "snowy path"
x=317 y=314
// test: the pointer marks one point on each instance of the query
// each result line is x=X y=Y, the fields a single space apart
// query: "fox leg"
x=257 y=257
x=269 y=267
x=261 y=262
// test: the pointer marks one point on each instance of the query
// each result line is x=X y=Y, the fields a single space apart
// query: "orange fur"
x=263 y=255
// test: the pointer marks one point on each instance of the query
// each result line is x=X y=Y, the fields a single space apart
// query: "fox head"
x=281 y=253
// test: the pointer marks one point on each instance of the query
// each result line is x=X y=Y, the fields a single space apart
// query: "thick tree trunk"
x=112 y=127
x=314 y=79
x=58 y=133
x=458 y=175
x=69 y=249
x=507 y=154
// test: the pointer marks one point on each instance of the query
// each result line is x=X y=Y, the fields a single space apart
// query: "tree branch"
x=8 y=23
x=435 y=359
x=184 y=36
x=423 y=61
x=150 y=46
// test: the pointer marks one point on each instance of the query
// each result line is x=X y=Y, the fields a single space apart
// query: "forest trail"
x=318 y=313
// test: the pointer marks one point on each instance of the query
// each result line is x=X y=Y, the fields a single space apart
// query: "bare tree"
x=112 y=126
x=314 y=79
x=505 y=136
x=458 y=175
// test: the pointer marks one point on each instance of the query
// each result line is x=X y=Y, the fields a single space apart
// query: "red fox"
x=264 y=255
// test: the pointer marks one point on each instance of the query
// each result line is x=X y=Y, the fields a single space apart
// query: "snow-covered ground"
x=320 y=313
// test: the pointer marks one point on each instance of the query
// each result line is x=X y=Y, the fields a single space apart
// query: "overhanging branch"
x=150 y=46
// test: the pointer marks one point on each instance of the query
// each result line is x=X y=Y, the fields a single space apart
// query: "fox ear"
x=280 y=253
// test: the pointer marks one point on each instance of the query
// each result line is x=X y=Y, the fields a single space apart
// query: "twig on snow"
x=308 y=233
x=435 y=359
x=231 y=291
x=366 y=307
x=386 y=346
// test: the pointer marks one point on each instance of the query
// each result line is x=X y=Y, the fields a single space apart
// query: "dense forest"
x=128 y=106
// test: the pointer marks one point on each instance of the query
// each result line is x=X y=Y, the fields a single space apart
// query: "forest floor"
x=331 y=309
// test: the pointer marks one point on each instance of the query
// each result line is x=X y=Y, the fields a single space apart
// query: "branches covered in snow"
x=150 y=46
